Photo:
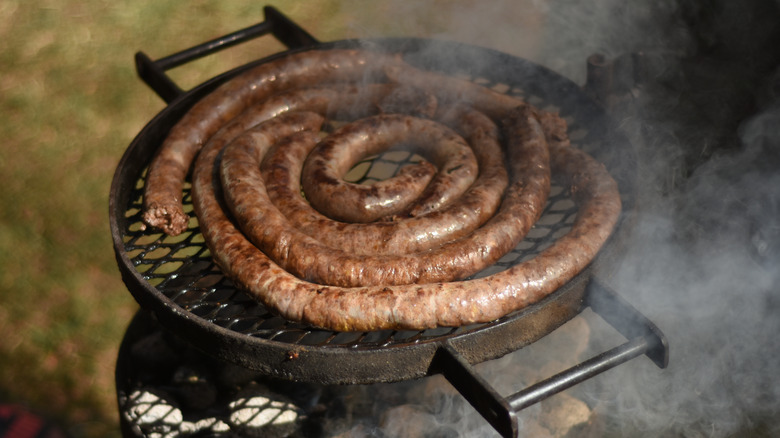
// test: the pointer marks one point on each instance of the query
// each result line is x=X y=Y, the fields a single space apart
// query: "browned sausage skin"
x=307 y=258
x=349 y=202
x=484 y=299
x=427 y=229
x=449 y=89
x=168 y=170
x=441 y=303
x=225 y=116
x=206 y=192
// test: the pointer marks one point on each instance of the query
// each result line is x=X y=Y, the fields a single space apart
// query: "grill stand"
x=643 y=337
x=501 y=412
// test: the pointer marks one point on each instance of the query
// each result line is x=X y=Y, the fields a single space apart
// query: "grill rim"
x=328 y=364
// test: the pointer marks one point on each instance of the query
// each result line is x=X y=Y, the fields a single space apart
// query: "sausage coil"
x=270 y=150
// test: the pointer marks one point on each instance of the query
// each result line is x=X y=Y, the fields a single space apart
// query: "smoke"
x=704 y=257
x=703 y=261
x=704 y=267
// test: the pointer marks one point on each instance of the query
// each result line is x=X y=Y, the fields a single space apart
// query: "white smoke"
x=705 y=256
x=704 y=261
x=704 y=267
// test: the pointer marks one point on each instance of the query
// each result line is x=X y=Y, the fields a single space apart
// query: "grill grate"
x=182 y=269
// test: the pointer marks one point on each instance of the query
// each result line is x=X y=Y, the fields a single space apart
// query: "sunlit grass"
x=71 y=103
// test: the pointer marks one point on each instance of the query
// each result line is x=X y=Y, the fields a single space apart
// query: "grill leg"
x=479 y=393
x=642 y=335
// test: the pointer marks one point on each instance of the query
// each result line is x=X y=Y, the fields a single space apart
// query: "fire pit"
x=175 y=279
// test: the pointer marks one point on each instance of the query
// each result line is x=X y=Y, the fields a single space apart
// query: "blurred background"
x=71 y=103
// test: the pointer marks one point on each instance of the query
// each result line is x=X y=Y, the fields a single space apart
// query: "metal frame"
x=501 y=412
x=449 y=357
x=276 y=23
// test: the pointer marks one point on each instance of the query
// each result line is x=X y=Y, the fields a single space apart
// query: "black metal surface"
x=583 y=371
x=493 y=407
x=628 y=321
x=276 y=23
x=175 y=278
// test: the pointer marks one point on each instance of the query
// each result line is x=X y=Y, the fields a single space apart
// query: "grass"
x=71 y=103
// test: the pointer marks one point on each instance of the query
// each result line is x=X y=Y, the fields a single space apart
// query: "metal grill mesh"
x=181 y=268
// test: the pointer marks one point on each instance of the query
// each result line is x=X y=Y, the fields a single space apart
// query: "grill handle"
x=282 y=28
x=501 y=412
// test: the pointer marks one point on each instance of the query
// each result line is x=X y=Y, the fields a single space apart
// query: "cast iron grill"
x=175 y=278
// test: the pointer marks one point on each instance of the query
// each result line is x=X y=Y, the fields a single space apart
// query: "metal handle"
x=643 y=338
x=276 y=23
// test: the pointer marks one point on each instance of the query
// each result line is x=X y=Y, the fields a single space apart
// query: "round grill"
x=176 y=279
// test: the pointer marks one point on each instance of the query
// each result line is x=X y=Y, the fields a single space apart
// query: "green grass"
x=71 y=103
